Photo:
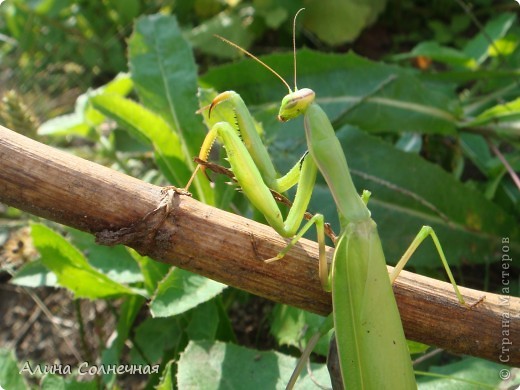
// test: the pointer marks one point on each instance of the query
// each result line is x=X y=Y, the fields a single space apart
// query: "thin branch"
x=508 y=166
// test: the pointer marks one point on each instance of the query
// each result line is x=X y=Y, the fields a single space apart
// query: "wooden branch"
x=228 y=248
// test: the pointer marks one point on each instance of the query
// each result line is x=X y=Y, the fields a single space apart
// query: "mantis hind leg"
x=424 y=233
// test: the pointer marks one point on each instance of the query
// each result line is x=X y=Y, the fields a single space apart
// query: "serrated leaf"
x=181 y=291
x=35 y=274
x=113 y=261
x=71 y=268
x=215 y=365
x=70 y=124
x=204 y=322
x=153 y=271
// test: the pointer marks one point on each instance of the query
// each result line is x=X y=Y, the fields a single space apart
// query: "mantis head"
x=295 y=104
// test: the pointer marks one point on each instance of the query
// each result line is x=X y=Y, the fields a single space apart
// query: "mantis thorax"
x=295 y=104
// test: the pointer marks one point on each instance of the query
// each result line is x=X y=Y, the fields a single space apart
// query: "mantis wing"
x=371 y=342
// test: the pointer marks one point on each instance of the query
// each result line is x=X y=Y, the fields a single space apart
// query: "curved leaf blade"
x=165 y=76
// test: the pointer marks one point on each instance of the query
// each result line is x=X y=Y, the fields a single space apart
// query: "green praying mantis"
x=372 y=348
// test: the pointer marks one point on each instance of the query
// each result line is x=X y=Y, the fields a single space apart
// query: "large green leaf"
x=469 y=374
x=113 y=261
x=215 y=365
x=167 y=381
x=408 y=192
x=154 y=336
x=34 y=274
x=71 y=268
x=351 y=89
x=165 y=76
x=181 y=291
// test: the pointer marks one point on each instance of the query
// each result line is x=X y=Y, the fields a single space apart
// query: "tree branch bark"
x=228 y=248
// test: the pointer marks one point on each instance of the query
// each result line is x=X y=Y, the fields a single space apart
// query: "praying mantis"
x=372 y=348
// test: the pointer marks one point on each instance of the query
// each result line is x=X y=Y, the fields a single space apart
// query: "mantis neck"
x=326 y=150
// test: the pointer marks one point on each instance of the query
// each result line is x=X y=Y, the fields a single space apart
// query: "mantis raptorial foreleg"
x=254 y=171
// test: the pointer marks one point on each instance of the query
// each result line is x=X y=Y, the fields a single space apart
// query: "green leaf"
x=10 y=377
x=121 y=85
x=467 y=374
x=70 y=124
x=294 y=327
x=339 y=21
x=153 y=271
x=416 y=347
x=480 y=47
x=56 y=382
x=374 y=96
x=410 y=192
x=181 y=291
x=34 y=274
x=215 y=365
x=505 y=112
x=436 y=52
x=154 y=336
x=148 y=128
x=71 y=268
x=113 y=261
x=112 y=354
x=84 y=119
x=167 y=380
x=228 y=24
x=165 y=76
x=204 y=322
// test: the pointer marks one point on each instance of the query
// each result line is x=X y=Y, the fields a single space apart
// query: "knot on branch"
x=142 y=234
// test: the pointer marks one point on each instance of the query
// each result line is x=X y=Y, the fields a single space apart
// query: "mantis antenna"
x=254 y=58
x=294 y=44
x=262 y=62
